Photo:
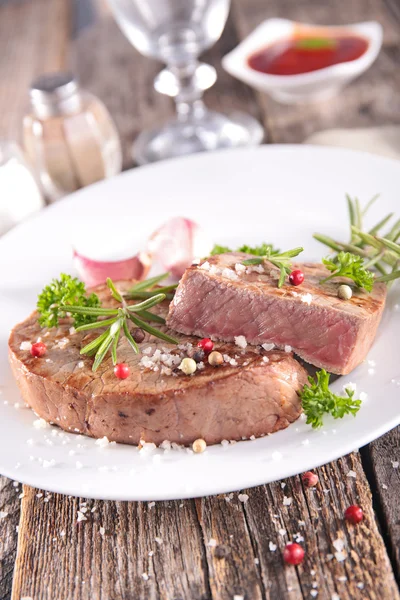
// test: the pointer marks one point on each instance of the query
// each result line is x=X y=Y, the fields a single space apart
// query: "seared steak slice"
x=221 y=300
x=255 y=393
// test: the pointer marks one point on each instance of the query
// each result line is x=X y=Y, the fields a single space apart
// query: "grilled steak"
x=255 y=393
x=220 y=299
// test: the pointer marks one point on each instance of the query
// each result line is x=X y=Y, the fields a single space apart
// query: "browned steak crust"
x=229 y=402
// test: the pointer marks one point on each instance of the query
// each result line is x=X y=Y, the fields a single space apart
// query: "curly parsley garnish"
x=260 y=250
x=57 y=297
x=318 y=400
x=346 y=264
x=220 y=250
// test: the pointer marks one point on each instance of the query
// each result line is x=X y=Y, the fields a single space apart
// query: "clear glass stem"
x=188 y=101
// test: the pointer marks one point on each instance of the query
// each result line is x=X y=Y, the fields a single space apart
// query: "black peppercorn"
x=138 y=335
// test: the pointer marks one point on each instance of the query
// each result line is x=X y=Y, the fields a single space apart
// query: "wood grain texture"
x=383 y=458
x=9 y=519
x=209 y=548
x=34 y=39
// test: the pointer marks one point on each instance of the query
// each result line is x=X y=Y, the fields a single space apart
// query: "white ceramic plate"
x=276 y=193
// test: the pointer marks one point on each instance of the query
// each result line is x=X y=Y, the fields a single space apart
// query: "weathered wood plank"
x=373 y=99
x=9 y=519
x=315 y=514
x=211 y=547
x=60 y=558
x=383 y=456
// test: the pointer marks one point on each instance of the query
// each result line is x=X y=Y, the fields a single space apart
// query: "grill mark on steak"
x=215 y=403
x=327 y=332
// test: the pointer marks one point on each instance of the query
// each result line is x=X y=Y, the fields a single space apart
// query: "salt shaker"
x=20 y=195
x=69 y=136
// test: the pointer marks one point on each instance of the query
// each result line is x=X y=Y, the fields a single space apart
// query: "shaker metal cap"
x=54 y=93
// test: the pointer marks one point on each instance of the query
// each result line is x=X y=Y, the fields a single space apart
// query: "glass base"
x=212 y=131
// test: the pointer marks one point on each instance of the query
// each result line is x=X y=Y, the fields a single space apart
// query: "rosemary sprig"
x=377 y=251
x=118 y=323
x=281 y=261
x=67 y=296
x=349 y=265
x=145 y=289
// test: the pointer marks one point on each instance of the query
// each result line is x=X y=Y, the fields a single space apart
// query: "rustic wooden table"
x=44 y=553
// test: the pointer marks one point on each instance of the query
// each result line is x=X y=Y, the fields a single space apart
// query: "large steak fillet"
x=220 y=299
x=255 y=393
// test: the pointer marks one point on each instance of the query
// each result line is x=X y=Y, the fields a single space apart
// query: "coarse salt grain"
x=395 y=464
x=238 y=597
x=102 y=531
x=352 y=474
x=306 y=298
x=159 y=541
x=205 y=266
x=338 y=544
x=40 y=424
x=288 y=348
x=212 y=543
x=25 y=346
x=272 y=546
x=360 y=585
x=268 y=347
x=145 y=576
x=314 y=593
x=384 y=486
x=265 y=359
x=81 y=517
x=340 y=556
x=335 y=597
x=240 y=269
x=240 y=341
x=243 y=498
x=103 y=442
x=229 y=274
x=287 y=501
x=72 y=331
x=151 y=505
x=282 y=532
x=80 y=364
x=3 y=514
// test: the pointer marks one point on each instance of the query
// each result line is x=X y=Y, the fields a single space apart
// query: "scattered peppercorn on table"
x=331 y=534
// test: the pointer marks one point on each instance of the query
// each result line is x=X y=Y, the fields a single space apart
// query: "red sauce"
x=303 y=54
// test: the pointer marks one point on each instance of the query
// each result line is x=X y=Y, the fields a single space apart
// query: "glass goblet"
x=176 y=32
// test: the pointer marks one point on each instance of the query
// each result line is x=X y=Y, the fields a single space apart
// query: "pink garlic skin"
x=95 y=272
x=177 y=243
